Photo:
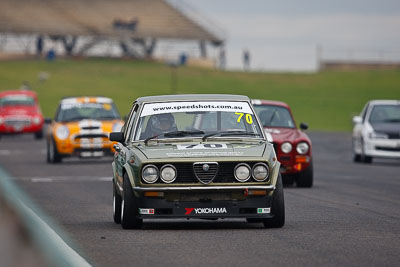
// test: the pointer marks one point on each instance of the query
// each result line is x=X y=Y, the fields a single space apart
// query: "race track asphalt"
x=351 y=217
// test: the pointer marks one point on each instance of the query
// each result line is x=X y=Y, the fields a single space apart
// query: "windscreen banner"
x=196 y=106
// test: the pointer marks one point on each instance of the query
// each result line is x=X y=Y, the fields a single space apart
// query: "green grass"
x=326 y=100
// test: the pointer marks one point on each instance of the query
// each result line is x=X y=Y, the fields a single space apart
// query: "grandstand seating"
x=156 y=19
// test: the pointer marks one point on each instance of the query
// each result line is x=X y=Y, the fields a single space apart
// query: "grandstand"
x=132 y=23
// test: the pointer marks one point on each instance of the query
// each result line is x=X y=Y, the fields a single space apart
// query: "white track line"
x=51 y=179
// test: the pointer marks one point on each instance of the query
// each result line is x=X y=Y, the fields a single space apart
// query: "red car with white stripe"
x=293 y=146
x=20 y=113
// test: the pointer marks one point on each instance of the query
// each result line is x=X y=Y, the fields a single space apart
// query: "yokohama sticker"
x=205 y=211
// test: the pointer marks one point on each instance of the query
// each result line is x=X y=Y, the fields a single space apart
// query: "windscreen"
x=385 y=114
x=81 y=111
x=16 y=100
x=274 y=116
x=197 y=119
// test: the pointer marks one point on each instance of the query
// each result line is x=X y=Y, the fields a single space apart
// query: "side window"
x=364 y=112
x=129 y=129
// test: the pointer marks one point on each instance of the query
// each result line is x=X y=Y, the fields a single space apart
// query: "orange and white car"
x=81 y=127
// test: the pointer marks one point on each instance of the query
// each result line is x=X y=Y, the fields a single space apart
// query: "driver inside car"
x=160 y=123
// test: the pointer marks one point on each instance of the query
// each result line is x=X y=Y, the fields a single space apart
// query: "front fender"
x=130 y=174
x=275 y=173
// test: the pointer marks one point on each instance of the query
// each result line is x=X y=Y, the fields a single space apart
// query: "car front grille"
x=393 y=135
x=186 y=172
x=205 y=172
x=393 y=149
x=17 y=122
x=97 y=135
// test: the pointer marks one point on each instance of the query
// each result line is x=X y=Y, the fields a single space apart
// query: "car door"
x=122 y=148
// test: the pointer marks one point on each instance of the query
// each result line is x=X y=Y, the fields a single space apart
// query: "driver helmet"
x=163 y=123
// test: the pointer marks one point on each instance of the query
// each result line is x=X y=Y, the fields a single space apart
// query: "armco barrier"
x=27 y=235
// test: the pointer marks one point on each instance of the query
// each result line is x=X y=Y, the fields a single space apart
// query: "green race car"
x=195 y=156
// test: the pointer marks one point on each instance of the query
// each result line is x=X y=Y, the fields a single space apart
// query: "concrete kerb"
x=44 y=234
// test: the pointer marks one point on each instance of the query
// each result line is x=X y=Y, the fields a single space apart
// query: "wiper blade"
x=228 y=134
x=174 y=133
x=182 y=133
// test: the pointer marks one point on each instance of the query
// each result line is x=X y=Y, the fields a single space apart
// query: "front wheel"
x=129 y=207
x=52 y=153
x=277 y=208
x=117 y=204
x=39 y=134
x=365 y=158
x=306 y=178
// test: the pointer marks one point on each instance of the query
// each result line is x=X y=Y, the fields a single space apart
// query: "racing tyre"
x=365 y=158
x=39 y=135
x=277 y=208
x=287 y=179
x=306 y=178
x=356 y=157
x=52 y=153
x=117 y=203
x=129 y=207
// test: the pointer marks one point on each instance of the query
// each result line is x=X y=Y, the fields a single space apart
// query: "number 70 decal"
x=249 y=118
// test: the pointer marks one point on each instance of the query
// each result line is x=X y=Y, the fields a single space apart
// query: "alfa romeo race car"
x=292 y=146
x=376 y=132
x=20 y=113
x=195 y=156
x=81 y=127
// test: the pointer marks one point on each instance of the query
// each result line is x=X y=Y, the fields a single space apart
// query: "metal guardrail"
x=38 y=231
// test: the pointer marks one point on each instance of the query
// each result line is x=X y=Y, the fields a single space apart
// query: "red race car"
x=293 y=147
x=20 y=113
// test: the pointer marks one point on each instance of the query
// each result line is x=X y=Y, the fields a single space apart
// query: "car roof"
x=384 y=102
x=193 y=97
x=18 y=92
x=86 y=99
x=269 y=102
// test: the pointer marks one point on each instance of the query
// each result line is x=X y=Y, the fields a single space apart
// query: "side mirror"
x=303 y=126
x=117 y=136
x=357 y=120
x=47 y=120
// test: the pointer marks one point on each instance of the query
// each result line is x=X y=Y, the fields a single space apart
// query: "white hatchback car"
x=376 y=131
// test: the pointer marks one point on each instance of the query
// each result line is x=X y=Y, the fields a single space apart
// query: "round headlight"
x=286 y=147
x=36 y=120
x=168 y=173
x=150 y=174
x=62 y=132
x=260 y=172
x=242 y=172
x=117 y=127
x=302 y=148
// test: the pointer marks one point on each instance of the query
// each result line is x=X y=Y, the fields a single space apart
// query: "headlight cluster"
x=36 y=120
x=301 y=148
x=150 y=173
x=377 y=135
x=116 y=127
x=62 y=132
x=286 y=147
x=259 y=172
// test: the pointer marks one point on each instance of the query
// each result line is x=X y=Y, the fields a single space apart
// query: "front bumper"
x=68 y=147
x=10 y=129
x=384 y=148
x=215 y=202
x=252 y=207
